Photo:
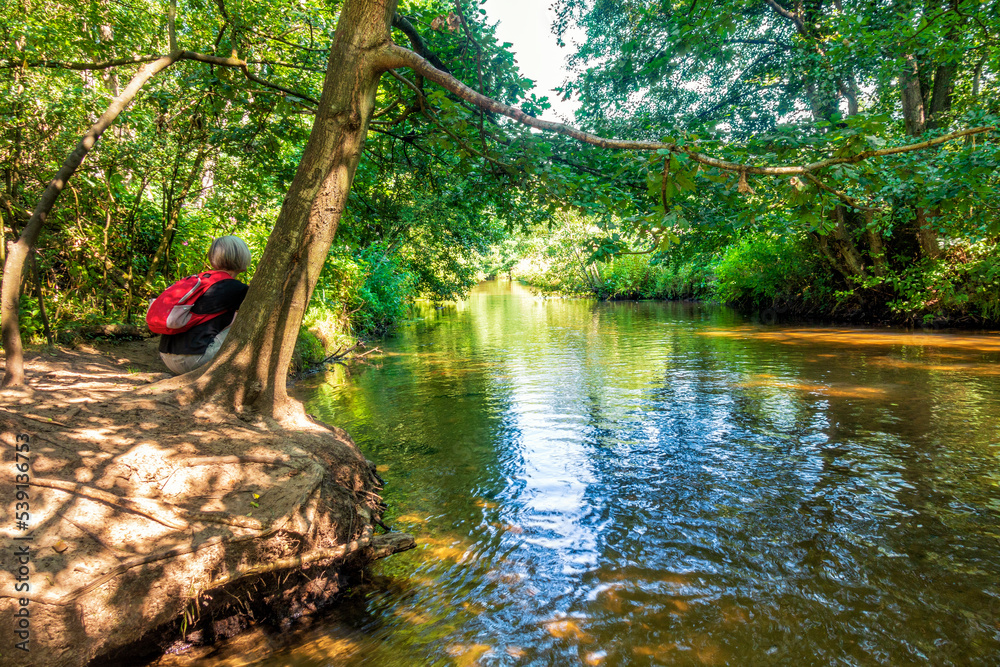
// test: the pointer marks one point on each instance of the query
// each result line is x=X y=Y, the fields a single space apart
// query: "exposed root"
x=297 y=561
x=140 y=505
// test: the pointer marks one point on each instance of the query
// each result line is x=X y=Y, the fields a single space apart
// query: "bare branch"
x=401 y=23
x=183 y=55
x=222 y=10
x=791 y=16
x=56 y=64
x=389 y=107
x=759 y=42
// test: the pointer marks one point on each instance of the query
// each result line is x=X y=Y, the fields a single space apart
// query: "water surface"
x=648 y=483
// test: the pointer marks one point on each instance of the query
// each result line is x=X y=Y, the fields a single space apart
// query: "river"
x=641 y=483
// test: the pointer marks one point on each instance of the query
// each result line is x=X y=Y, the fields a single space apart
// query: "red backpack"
x=171 y=312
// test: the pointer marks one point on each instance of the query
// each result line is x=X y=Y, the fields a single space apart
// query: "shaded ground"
x=141 y=512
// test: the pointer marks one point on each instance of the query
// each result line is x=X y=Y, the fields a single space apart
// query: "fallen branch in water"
x=338 y=358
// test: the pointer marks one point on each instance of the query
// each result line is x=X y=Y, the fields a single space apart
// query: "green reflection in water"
x=647 y=483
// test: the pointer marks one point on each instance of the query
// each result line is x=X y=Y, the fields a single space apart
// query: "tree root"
x=298 y=561
x=42 y=420
x=89 y=492
x=336 y=358
x=72 y=596
x=179 y=518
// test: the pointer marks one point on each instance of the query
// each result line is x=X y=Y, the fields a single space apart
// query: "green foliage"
x=761 y=269
x=447 y=191
x=627 y=277
x=309 y=350
x=790 y=84
x=385 y=294
x=963 y=284
x=359 y=295
x=203 y=151
x=557 y=261
x=685 y=277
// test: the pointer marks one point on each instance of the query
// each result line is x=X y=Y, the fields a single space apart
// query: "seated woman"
x=197 y=346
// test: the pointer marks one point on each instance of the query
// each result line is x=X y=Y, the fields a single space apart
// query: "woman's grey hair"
x=229 y=253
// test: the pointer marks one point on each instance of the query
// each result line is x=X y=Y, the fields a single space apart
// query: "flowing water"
x=647 y=483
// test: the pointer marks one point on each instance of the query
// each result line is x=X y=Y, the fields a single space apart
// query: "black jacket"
x=227 y=296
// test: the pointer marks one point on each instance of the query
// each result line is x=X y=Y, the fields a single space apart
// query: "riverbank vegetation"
x=774 y=275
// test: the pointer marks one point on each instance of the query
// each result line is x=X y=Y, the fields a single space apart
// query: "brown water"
x=647 y=483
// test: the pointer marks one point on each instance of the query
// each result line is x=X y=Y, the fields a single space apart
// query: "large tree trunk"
x=914 y=113
x=251 y=368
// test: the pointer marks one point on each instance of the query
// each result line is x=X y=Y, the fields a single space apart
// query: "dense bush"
x=361 y=294
x=962 y=285
x=760 y=269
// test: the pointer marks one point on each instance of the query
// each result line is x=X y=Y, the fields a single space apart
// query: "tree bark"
x=252 y=366
x=851 y=263
x=18 y=251
x=876 y=251
x=36 y=274
x=927 y=236
x=944 y=88
x=914 y=113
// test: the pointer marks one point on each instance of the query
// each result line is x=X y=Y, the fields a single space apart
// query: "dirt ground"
x=136 y=512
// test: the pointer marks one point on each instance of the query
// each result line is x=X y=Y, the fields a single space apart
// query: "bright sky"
x=527 y=24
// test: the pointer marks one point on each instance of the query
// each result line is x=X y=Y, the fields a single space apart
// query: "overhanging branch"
x=57 y=64
x=395 y=56
x=233 y=62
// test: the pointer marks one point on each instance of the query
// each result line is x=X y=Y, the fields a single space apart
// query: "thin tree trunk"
x=587 y=278
x=173 y=212
x=130 y=232
x=944 y=89
x=914 y=112
x=41 y=301
x=18 y=251
x=876 y=250
x=108 y=216
x=839 y=248
x=927 y=236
